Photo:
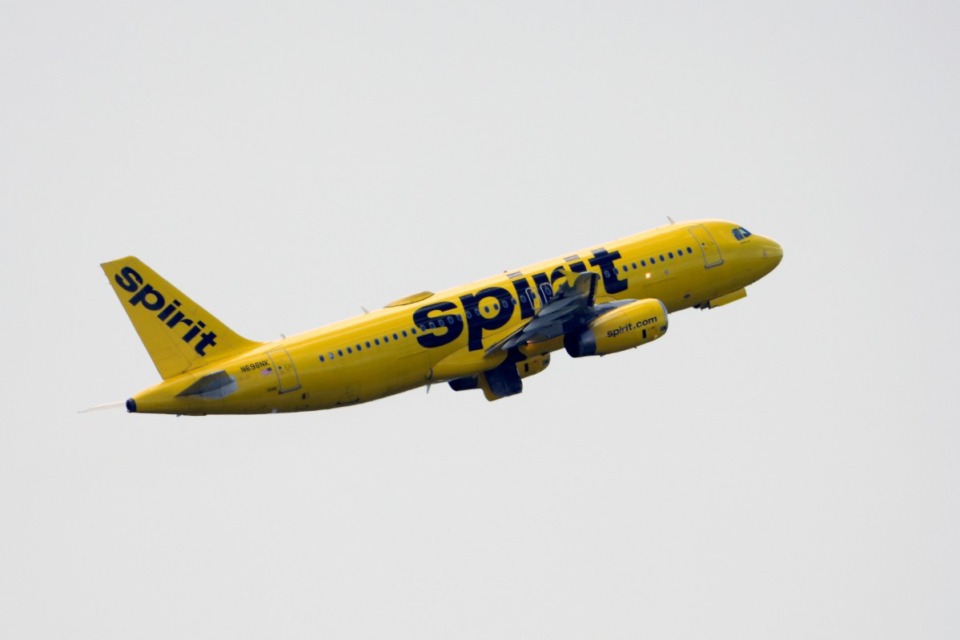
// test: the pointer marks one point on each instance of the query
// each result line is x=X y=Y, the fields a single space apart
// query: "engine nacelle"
x=624 y=327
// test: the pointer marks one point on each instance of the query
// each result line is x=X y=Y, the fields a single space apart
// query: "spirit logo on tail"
x=147 y=295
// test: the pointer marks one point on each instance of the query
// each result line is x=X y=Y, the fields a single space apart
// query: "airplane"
x=487 y=335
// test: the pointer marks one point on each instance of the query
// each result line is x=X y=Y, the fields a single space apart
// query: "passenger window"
x=643 y=263
x=404 y=333
x=396 y=338
x=349 y=350
x=671 y=255
x=340 y=352
x=321 y=358
x=368 y=344
x=653 y=260
x=413 y=331
x=377 y=342
x=689 y=250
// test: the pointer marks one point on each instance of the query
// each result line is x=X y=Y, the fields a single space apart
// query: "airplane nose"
x=773 y=251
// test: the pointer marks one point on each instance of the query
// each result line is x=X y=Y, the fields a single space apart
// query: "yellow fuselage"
x=429 y=338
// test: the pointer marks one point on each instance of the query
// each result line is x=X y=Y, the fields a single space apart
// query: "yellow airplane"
x=486 y=335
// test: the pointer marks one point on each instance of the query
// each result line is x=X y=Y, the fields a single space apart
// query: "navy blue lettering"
x=543 y=287
x=177 y=318
x=140 y=297
x=443 y=333
x=150 y=298
x=207 y=340
x=604 y=260
x=522 y=286
x=131 y=279
x=194 y=330
x=476 y=322
x=170 y=309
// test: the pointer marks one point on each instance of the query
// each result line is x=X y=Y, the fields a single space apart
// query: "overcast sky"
x=783 y=467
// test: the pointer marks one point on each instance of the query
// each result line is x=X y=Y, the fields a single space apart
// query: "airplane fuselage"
x=447 y=336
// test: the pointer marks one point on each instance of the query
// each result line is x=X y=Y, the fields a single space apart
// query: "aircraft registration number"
x=253 y=366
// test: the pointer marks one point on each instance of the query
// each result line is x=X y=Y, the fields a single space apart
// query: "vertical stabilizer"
x=178 y=333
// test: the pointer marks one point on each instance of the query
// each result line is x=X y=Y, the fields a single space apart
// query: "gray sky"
x=784 y=467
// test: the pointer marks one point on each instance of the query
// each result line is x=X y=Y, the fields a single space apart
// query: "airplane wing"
x=571 y=307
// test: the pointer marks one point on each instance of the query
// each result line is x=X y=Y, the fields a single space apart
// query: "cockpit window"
x=746 y=234
x=740 y=233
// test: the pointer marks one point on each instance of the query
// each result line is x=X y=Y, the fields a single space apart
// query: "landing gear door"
x=287 y=378
x=708 y=246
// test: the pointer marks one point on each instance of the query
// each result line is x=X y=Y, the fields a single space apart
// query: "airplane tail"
x=178 y=333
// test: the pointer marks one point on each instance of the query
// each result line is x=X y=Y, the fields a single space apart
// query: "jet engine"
x=625 y=326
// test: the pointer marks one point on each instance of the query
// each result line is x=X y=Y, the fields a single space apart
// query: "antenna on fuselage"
x=671 y=220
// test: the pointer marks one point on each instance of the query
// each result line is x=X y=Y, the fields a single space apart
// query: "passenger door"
x=708 y=246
